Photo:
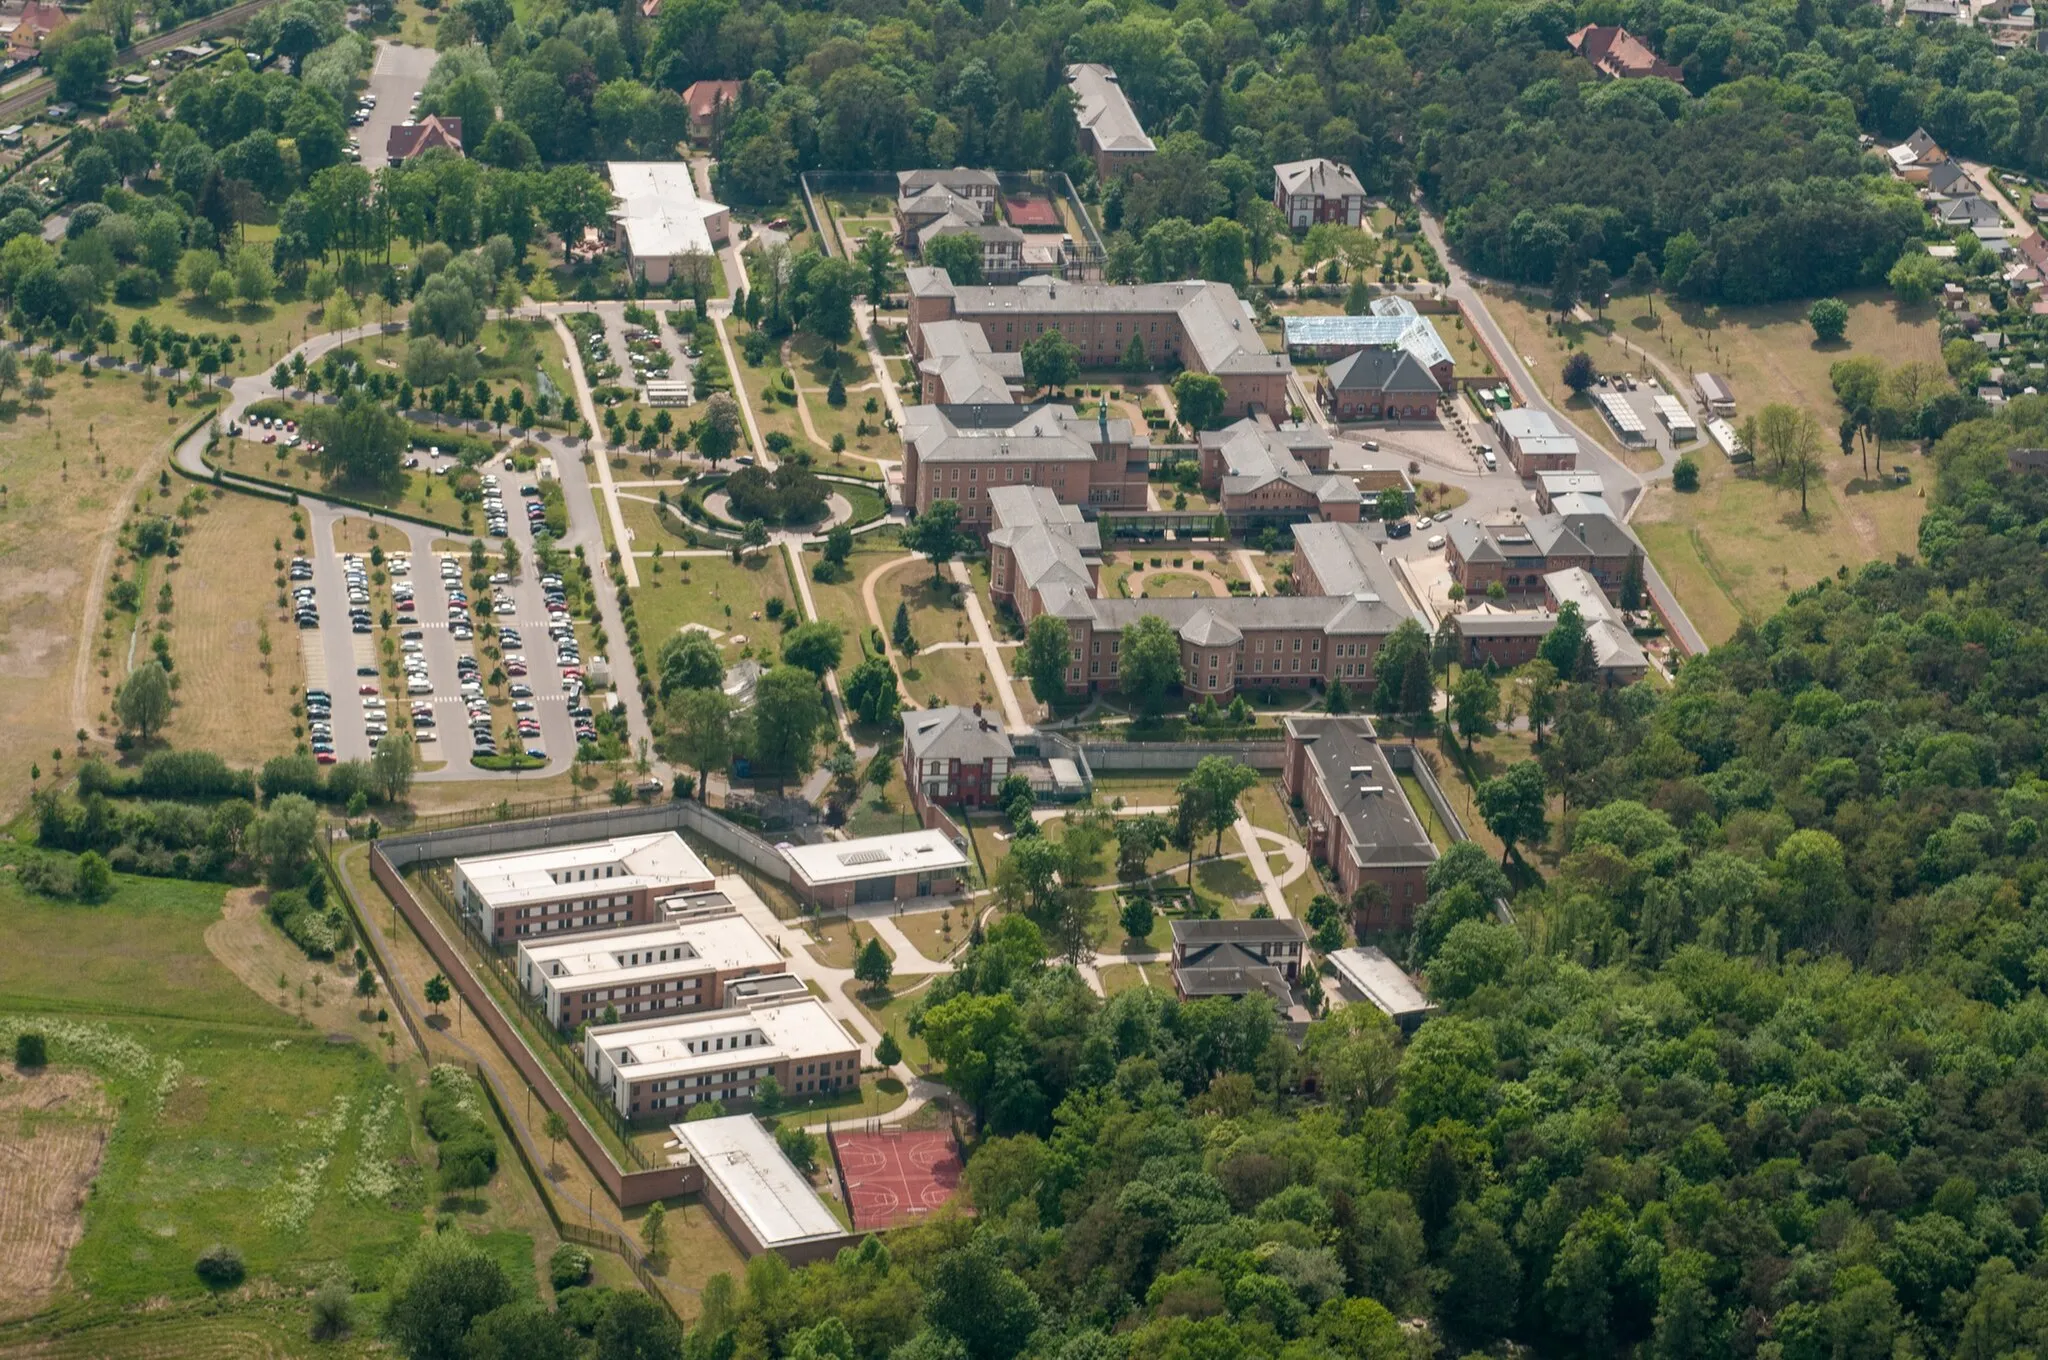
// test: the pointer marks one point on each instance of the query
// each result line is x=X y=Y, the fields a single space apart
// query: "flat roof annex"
x=909 y=852
x=786 y=1030
x=754 y=1177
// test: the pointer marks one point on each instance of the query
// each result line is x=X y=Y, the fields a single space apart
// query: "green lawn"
x=141 y=953
x=715 y=592
x=235 y=1123
x=893 y=1017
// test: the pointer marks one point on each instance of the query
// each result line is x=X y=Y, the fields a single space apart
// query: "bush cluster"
x=453 y=1115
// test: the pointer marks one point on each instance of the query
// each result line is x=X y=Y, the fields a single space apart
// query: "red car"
x=325 y=757
x=366 y=689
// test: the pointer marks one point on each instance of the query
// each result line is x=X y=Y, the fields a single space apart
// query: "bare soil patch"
x=53 y=1130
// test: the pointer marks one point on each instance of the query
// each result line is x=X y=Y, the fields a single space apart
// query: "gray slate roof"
x=1380 y=825
x=954 y=733
x=1380 y=370
x=1219 y=326
x=1256 y=453
x=1050 y=542
x=993 y=433
x=1102 y=108
x=1321 y=176
x=1346 y=560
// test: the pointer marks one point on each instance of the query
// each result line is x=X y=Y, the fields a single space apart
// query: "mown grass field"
x=224 y=589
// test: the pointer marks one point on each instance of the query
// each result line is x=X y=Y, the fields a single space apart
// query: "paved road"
x=1628 y=487
x=400 y=73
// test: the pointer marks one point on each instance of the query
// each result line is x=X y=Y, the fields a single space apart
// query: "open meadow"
x=71 y=468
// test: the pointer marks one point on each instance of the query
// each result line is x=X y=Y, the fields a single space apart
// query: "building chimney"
x=1102 y=419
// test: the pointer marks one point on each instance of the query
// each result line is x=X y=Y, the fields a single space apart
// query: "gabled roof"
x=1345 y=560
x=1256 y=453
x=1383 y=371
x=703 y=98
x=1322 y=177
x=1101 y=107
x=954 y=733
x=430 y=133
x=935 y=202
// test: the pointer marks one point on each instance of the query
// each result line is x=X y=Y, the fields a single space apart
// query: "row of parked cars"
x=305 y=604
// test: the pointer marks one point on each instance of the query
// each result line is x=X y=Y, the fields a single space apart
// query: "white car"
x=1436 y=541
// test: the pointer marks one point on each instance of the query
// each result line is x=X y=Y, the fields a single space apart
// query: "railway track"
x=37 y=94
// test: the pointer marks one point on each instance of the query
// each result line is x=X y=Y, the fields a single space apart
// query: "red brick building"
x=954 y=757
x=1202 y=327
x=1359 y=822
x=965 y=454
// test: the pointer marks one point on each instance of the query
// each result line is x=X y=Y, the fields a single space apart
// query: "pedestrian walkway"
x=998 y=673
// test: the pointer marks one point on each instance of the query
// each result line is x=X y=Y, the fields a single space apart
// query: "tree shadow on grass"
x=1226 y=878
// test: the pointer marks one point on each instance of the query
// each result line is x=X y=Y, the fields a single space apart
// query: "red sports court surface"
x=1031 y=211
x=896 y=1176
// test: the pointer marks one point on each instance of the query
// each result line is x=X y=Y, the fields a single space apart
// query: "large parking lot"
x=478 y=669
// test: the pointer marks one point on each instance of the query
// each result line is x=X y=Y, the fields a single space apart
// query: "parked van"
x=1491 y=464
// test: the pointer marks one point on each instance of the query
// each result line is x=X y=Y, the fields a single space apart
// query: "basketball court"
x=896 y=1176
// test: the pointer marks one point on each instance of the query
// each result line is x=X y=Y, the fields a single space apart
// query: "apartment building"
x=966 y=453
x=1359 y=822
x=644 y=972
x=1318 y=190
x=1262 y=473
x=898 y=868
x=647 y=1070
x=1202 y=327
x=954 y=756
x=591 y=885
x=1110 y=132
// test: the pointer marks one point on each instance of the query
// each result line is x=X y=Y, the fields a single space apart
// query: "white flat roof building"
x=659 y=861
x=662 y=218
x=1377 y=978
x=680 y=963
x=763 y=1198
x=910 y=852
x=721 y=1055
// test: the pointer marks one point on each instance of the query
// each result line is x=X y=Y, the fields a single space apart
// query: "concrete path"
x=739 y=390
x=999 y=674
x=803 y=588
x=1248 y=836
x=828 y=984
x=874 y=607
x=1249 y=565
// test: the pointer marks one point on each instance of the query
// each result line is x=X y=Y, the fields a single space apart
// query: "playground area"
x=896 y=1176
